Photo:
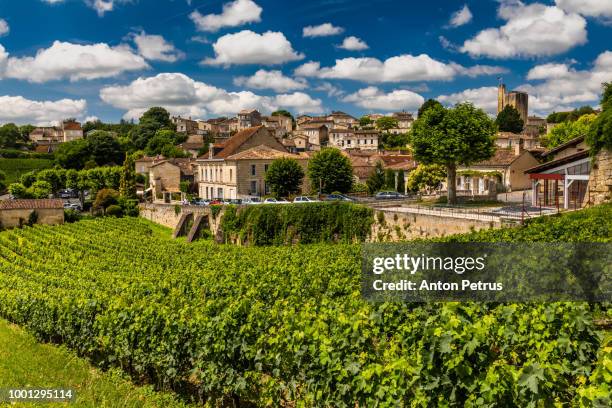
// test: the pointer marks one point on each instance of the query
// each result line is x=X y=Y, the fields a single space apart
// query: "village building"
x=16 y=213
x=279 y=125
x=50 y=137
x=404 y=123
x=506 y=140
x=193 y=145
x=342 y=119
x=166 y=176
x=505 y=171
x=185 y=125
x=355 y=139
x=248 y=118
x=143 y=164
x=563 y=181
x=317 y=133
x=237 y=168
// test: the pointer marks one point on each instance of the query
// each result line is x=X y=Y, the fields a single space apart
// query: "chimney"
x=211 y=150
x=518 y=147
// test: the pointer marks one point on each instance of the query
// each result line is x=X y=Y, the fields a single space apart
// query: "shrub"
x=105 y=198
x=114 y=211
x=71 y=215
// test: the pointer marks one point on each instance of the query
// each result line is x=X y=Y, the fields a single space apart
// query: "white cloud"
x=321 y=30
x=561 y=90
x=331 y=90
x=234 y=14
x=274 y=80
x=156 y=48
x=299 y=102
x=21 y=110
x=375 y=99
x=591 y=8
x=248 y=47
x=403 y=68
x=484 y=98
x=461 y=17
x=353 y=43
x=91 y=118
x=73 y=61
x=100 y=6
x=530 y=30
x=4 y=27
x=546 y=71
x=182 y=95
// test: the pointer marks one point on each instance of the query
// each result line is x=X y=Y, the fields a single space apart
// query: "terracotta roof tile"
x=262 y=152
x=502 y=157
x=233 y=143
x=40 y=204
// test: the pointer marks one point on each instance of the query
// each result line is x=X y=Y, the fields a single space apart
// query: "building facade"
x=518 y=100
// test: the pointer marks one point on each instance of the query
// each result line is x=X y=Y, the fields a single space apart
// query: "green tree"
x=73 y=155
x=366 y=122
x=284 y=177
x=105 y=198
x=329 y=170
x=9 y=135
x=401 y=182
x=426 y=177
x=55 y=177
x=452 y=137
x=40 y=189
x=282 y=112
x=127 y=184
x=600 y=133
x=566 y=131
x=18 y=190
x=25 y=131
x=376 y=180
x=386 y=122
x=430 y=103
x=27 y=179
x=150 y=122
x=390 y=179
x=509 y=120
x=104 y=148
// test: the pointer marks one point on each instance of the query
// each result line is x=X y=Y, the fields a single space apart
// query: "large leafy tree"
x=565 y=131
x=453 y=137
x=376 y=180
x=150 y=122
x=284 y=177
x=105 y=148
x=73 y=155
x=600 y=132
x=366 y=122
x=509 y=120
x=386 y=122
x=127 y=184
x=426 y=177
x=329 y=170
x=430 y=103
x=9 y=135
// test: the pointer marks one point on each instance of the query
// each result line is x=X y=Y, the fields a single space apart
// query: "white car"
x=275 y=201
x=251 y=201
x=304 y=199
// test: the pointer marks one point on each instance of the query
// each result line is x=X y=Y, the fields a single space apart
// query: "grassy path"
x=25 y=363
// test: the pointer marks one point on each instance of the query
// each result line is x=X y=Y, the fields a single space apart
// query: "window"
x=231 y=175
x=219 y=192
x=253 y=170
x=253 y=187
x=266 y=168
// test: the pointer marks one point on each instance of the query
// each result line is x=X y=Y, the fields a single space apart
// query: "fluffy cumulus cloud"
x=562 y=86
x=403 y=68
x=234 y=14
x=374 y=98
x=274 y=80
x=101 y=6
x=353 y=43
x=20 y=110
x=72 y=61
x=530 y=30
x=181 y=94
x=484 y=98
x=156 y=48
x=321 y=30
x=460 y=17
x=331 y=90
x=591 y=8
x=248 y=47
x=4 y=27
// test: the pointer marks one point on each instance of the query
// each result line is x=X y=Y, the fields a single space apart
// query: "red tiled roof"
x=262 y=152
x=72 y=126
x=39 y=204
x=502 y=157
x=233 y=143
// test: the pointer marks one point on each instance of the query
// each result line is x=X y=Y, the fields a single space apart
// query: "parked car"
x=199 y=201
x=304 y=199
x=216 y=201
x=251 y=201
x=338 y=197
x=235 y=201
x=275 y=201
x=73 y=206
x=389 y=195
x=67 y=193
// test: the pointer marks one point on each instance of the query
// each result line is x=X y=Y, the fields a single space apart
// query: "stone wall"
x=168 y=216
x=599 y=189
x=10 y=218
x=392 y=225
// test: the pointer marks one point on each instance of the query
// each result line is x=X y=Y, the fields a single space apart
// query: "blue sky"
x=201 y=58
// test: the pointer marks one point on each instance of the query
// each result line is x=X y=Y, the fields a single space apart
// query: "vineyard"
x=286 y=325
